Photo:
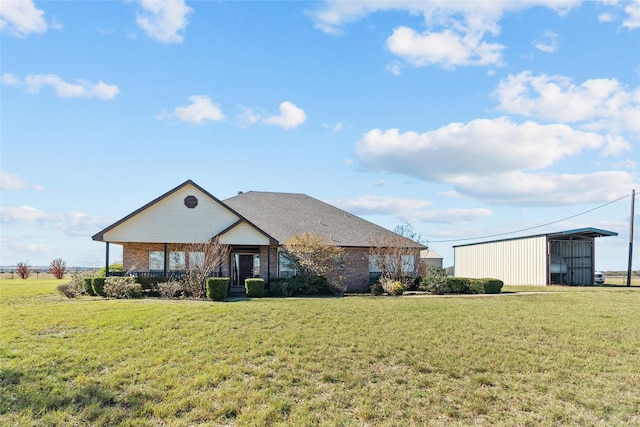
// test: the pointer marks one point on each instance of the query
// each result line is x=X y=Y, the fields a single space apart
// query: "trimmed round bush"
x=217 y=288
x=87 y=284
x=254 y=287
x=97 y=283
x=487 y=286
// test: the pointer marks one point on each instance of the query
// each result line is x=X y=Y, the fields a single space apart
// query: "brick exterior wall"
x=356 y=268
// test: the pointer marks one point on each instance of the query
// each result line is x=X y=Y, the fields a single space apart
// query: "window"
x=407 y=264
x=196 y=259
x=374 y=265
x=256 y=265
x=286 y=266
x=176 y=261
x=156 y=260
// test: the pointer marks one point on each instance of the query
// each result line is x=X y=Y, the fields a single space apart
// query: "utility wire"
x=529 y=228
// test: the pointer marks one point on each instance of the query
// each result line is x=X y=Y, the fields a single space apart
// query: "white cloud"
x=21 y=18
x=496 y=160
x=629 y=9
x=606 y=17
x=80 y=89
x=72 y=223
x=10 y=181
x=411 y=210
x=632 y=9
x=394 y=68
x=528 y=189
x=290 y=116
x=483 y=146
x=455 y=30
x=200 y=110
x=453 y=215
x=548 y=42
x=248 y=116
x=375 y=205
x=447 y=48
x=11 y=214
x=594 y=104
x=164 y=20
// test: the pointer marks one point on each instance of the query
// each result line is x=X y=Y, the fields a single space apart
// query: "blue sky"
x=466 y=119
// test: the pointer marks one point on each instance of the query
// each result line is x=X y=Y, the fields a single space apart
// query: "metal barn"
x=565 y=258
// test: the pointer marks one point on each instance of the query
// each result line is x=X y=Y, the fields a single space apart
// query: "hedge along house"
x=157 y=237
x=564 y=258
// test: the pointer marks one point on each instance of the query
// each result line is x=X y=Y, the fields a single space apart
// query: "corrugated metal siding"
x=244 y=234
x=170 y=221
x=515 y=262
x=578 y=256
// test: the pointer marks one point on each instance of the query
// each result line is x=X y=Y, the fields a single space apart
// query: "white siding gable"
x=244 y=234
x=170 y=221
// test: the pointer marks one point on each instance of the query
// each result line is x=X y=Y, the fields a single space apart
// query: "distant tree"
x=58 y=268
x=314 y=257
x=407 y=230
x=23 y=270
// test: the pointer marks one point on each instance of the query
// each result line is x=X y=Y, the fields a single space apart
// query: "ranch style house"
x=157 y=237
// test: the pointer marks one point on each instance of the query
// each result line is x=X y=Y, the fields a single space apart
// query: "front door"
x=245 y=268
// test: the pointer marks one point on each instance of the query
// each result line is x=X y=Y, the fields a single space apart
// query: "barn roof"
x=581 y=233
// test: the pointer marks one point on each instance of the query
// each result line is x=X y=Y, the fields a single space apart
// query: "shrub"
x=397 y=288
x=392 y=287
x=458 y=285
x=58 y=267
x=76 y=280
x=486 y=286
x=434 y=280
x=87 y=285
x=254 y=287
x=150 y=285
x=278 y=287
x=116 y=267
x=23 y=270
x=336 y=287
x=217 y=288
x=67 y=289
x=97 y=283
x=122 y=287
x=377 y=289
x=193 y=284
x=170 y=289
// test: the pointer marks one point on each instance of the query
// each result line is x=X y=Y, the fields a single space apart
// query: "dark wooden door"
x=245 y=268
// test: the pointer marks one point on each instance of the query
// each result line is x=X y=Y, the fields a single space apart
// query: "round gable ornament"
x=191 y=202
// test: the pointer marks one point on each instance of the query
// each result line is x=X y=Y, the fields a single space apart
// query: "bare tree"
x=202 y=260
x=58 y=268
x=23 y=270
x=396 y=255
x=315 y=256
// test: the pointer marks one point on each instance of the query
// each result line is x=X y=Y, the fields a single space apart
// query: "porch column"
x=164 y=261
x=268 y=266
x=106 y=268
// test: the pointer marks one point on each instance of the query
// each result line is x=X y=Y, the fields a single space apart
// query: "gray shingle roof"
x=283 y=215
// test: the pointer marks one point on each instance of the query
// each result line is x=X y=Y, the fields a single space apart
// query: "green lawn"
x=568 y=357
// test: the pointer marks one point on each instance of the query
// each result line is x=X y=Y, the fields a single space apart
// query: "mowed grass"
x=556 y=358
